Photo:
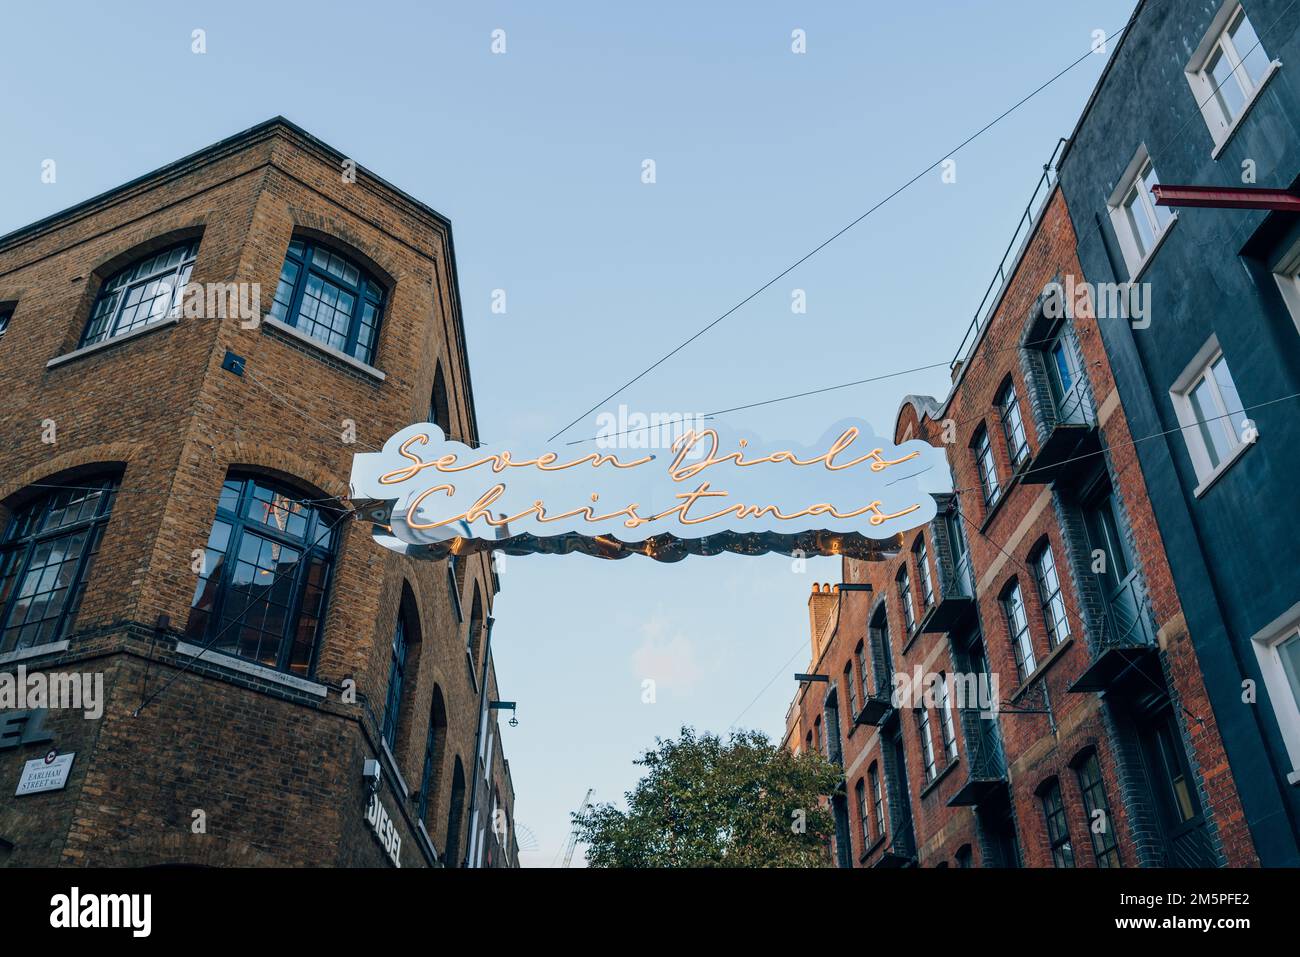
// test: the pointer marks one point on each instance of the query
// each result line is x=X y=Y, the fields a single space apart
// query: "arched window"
x=1013 y=425
x=265 y=579
x=455 y=815
x=881 y=653
x=146 y=291
x=6 y=313
x=476 y=625
x=439 y=407
x=396 y=679
x=921 y=554
x=1101 y=827
x=330 y=298
x=46 y=554
x=877 y=800
x=1013 y=606
x=434 y=740
x=1050 y=595
x=1058 y=829
x=904 y=582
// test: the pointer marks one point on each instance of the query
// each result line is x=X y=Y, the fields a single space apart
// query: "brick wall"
x=279 y=773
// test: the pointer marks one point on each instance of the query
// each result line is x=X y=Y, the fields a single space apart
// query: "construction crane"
x=573 y=835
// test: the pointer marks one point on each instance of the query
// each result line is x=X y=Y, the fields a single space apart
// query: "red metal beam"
x=1227 y=197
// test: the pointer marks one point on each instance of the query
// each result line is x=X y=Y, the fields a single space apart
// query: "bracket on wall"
x=233 y=363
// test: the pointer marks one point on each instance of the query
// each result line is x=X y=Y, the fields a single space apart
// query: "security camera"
x=371 y=773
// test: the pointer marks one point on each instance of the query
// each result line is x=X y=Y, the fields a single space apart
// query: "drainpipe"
x=471 y=844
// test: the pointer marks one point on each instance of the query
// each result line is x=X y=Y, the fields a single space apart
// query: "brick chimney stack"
x=821 y=604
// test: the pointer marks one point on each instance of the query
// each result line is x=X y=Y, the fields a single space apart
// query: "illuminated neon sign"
x=713 y=490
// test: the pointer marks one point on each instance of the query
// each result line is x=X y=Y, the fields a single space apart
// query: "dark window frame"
x=1013 y=425
x=116 y=289
x=921 y=554
x=367 y=288
x=1049 y=599
x=322 y=525
x=1058 y=824
x=25 y=534
x=396 y=680
x=987 y=467
x=1092 y=786
x=1023 y=652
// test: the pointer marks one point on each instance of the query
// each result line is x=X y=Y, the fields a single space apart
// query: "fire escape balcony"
x=1126 y=637
x=901 y=851
x=954 y=602
x=875 y=709
x=1071 y=433
x=987 y=768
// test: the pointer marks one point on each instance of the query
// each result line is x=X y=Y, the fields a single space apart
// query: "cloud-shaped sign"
x=708 y=490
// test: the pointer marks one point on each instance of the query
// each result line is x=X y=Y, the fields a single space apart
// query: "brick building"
x=1211 y=373
x=1066 y=722
x=174 y=523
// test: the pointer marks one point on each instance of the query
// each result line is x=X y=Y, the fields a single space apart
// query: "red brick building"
x=1066 y=721
x=174 y=525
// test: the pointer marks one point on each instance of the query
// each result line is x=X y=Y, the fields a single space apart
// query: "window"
x=946 y=724
x=266 y=575
x=329 y=298
x=439 y=407
x=1286 y=273
x=1104 y=845
x=1227 y=70
x=851 y=693
x=46 y=554
x=433 y=740
x=987 y=469
x=5 y=316
x=476 y=627
x=1209 y=408
x=1065 y=378
x=396 y=676
x=1277 y=647
x=864 y=821
x=1013 y=604
x=923 y=570
x=1139 y=222
x=964 y=856
x=862 y=671
x=1050 y=596
x=1058 y=832
x=927 y=741
x=817 y=733
x=1013 y=426
x=905 y=597
x=877 y=801
x=147 y=291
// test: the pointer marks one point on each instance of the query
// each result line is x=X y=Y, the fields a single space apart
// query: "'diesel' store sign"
x=713 y=490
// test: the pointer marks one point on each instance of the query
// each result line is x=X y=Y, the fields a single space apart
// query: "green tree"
x=704 y=802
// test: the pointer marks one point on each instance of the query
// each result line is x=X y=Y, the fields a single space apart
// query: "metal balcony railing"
x=1191 y=848
x=985 y=760
x=1128 y=616
x=955 y=594
x=1042 y=190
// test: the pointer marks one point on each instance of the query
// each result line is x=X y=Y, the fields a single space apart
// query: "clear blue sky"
x=536 y=155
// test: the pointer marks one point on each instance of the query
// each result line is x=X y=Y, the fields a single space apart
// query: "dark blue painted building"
x=1207 y=362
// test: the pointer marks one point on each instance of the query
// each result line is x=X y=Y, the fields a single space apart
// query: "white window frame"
x=1201 y=81
x=1287 y=275
x=1132 y=180
x=1180 y=393
x=1285 y=708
